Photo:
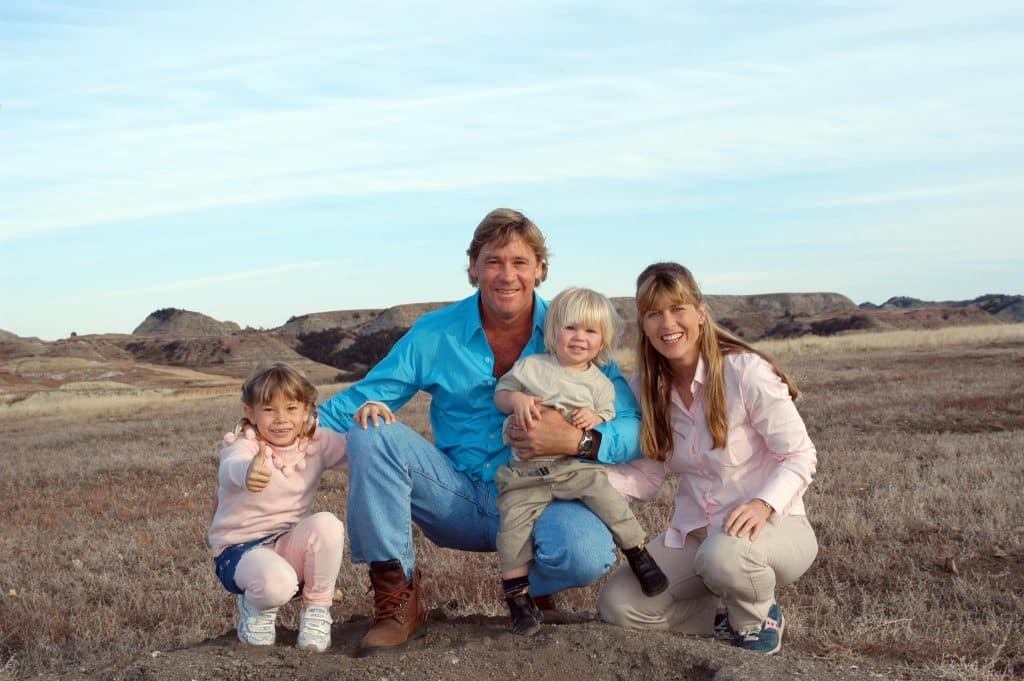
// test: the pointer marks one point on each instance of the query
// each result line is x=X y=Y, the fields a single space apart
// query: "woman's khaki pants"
x=743 y=574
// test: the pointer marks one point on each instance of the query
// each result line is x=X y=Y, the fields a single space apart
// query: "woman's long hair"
x=663 y=285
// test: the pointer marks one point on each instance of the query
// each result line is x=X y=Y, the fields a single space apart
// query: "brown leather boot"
x=399 y=611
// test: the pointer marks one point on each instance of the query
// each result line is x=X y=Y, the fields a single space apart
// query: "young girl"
x=580 y=329
x=719 y=414
x=265 y=543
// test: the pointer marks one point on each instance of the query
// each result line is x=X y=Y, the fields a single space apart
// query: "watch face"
x=587 y=443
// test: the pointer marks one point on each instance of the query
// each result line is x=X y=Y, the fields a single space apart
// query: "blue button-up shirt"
x=446 y=354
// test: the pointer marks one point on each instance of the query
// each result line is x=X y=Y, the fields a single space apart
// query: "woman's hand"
x=373 y=411
x=747 y=520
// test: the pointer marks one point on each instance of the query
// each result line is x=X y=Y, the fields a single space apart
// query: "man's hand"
x=747 y=520
x=550 y=435
x=258 y=474
x=373 y=411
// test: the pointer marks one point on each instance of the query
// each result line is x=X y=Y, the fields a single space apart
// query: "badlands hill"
x=176 y=349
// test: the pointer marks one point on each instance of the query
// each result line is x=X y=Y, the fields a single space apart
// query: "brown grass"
x=917 y=507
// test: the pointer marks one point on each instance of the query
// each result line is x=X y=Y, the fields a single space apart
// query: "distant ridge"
x=1006 y=307
x=342 y=345
x=171 y=321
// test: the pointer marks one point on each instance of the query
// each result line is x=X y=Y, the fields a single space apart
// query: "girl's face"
x=280 y=421
x=674 y=331
x=576 y=345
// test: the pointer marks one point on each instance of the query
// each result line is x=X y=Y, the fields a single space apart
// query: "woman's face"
x=674 y=331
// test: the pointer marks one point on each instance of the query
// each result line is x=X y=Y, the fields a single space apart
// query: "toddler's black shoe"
x=652 y=580
x=526 y=617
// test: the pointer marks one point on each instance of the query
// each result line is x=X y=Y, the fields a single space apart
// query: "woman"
x=720 y=415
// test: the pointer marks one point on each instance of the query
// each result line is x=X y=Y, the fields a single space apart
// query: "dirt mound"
x=479 y=647
x=7 y=335
x=174 y=322
x=233 y=355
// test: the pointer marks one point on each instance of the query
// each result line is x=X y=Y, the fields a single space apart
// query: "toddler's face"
x=576 y=345
x=280 y=421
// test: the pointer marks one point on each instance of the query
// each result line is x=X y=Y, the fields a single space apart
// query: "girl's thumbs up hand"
x=260 y=468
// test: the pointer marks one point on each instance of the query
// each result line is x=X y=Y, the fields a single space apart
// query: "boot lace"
x=390 y=603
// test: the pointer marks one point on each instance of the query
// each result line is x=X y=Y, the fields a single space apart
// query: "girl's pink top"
x=768 y=454
x=242 y=515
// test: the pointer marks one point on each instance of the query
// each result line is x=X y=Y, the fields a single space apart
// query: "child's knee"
x=327 y=527
x=273 y=588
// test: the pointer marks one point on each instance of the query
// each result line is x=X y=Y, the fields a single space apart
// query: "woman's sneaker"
x=255 y=627
x=314 y=628
x=767 y=638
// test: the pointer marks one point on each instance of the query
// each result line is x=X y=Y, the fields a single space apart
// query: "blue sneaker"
x=723 y=630
x=766 y=639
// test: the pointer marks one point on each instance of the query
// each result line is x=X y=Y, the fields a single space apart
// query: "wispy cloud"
x=268 y=273
x=142 y=151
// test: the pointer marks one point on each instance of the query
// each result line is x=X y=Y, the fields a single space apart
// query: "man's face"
x=506 y=276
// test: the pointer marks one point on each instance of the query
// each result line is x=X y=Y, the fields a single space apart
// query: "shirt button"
x=487 y=360
x=491 y=436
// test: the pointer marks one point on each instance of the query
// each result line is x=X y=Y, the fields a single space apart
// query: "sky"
x=258 y=161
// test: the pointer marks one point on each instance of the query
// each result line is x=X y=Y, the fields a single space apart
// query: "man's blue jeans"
x=397 y=477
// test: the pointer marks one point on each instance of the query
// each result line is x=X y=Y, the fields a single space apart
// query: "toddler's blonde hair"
x=584 y=306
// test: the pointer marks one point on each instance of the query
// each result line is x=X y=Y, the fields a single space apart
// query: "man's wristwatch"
x=586 y=445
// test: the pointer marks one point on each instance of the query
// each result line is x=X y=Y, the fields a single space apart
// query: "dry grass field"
x=917 y=505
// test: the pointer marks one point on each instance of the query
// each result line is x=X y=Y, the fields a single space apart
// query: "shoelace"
x=390 y=603
x=755 y=634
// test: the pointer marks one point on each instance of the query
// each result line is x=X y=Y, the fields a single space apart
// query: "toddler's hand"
x=586 y=418
x=260 y=468
x=526 y=410
x=374 y=411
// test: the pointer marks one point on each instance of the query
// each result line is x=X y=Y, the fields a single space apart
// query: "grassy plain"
x=917 y=507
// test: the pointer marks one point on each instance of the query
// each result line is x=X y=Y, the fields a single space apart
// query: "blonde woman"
x=721 y=416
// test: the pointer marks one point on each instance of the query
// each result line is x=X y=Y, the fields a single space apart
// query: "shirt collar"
x=700 y=376
x=474 y=324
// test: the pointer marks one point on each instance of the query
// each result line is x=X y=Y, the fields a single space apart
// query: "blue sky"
x=254 y=161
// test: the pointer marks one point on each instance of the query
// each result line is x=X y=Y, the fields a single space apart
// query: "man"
x=397 y=477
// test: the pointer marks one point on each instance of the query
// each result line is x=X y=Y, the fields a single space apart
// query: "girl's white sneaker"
x=255 y=627
x=314 y=628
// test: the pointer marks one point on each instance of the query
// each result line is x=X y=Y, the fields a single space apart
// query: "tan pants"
x=743 y=574
x=525 y=488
